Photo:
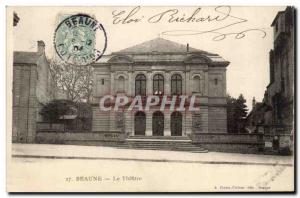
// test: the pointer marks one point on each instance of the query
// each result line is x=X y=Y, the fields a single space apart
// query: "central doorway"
x=139 y=123
x=158 y=123
x=176 y=124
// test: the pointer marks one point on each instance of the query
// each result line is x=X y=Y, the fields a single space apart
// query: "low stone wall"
x=226 y=138
x=220 y=142
x=83 y=138
x=226 y=142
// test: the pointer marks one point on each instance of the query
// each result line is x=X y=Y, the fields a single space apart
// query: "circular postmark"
x=80 y=40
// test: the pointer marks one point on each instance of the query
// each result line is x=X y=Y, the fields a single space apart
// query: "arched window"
x=158 y=84
x=176 y=84
x=121 y=84
x=140 y=85
x=197 y=84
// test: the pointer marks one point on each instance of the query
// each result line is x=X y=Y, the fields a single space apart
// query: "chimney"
x=16 y=19
x=187 y=47
x=253 y=102
x=40 y=47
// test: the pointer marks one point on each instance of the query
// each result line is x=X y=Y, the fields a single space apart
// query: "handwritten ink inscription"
x=221 y=16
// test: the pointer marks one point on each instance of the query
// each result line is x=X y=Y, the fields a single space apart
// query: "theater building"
x=164 y=68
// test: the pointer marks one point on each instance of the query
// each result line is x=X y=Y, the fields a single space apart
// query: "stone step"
x=167 y=146
x=186 y=146
x=159 y=138
x=153 y=148
x=182 y=144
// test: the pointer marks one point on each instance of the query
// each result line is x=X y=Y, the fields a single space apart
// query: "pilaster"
x=148 y=123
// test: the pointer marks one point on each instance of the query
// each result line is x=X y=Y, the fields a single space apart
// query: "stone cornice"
x=160 y=62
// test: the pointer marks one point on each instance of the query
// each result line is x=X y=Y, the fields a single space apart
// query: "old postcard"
x=150 y=99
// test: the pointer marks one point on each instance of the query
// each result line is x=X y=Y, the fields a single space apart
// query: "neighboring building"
x=275 y=115
x=30 y=91
x=280 y=91
x=162 y=67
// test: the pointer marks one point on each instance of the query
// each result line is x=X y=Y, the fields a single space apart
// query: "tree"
x=241 y=107
x=74 y=81
x=231 y=124
x=53 y=110
x=236 y=114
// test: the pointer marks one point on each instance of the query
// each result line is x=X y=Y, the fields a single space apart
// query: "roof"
x=276 y=17
x=159 y=45
x=289 y=11
x=161 y=50
x=25 y=57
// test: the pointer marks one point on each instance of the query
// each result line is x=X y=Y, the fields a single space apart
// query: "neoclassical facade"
x=163 y=68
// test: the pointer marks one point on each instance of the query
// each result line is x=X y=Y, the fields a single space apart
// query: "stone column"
x=188 y=84
x=206 y=83
x=149 y=123
x=130 y=83
x=183 y=123
x=149 y=83
x=184 y=80
x=188 y=123
x=112 y=83
x=167 y=123
x=129 y=122
x=167 y=87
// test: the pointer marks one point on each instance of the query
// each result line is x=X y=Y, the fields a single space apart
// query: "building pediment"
x=120 y=59
x=197 y=59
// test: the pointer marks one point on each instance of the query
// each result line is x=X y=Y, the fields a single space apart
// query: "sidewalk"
x=109 y=153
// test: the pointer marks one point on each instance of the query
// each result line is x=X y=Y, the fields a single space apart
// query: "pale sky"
x=248 y=72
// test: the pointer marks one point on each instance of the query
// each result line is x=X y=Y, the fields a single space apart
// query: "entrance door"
x=158 y=123
x=176 y=124
x=139 y=123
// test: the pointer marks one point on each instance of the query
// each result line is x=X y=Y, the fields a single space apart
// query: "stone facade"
x=30 y=91
x=280 y=91
x=201 y=74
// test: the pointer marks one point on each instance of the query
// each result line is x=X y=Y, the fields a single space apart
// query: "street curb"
x=151 y=160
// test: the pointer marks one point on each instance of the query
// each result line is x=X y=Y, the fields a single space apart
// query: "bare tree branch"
x=75 y=81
